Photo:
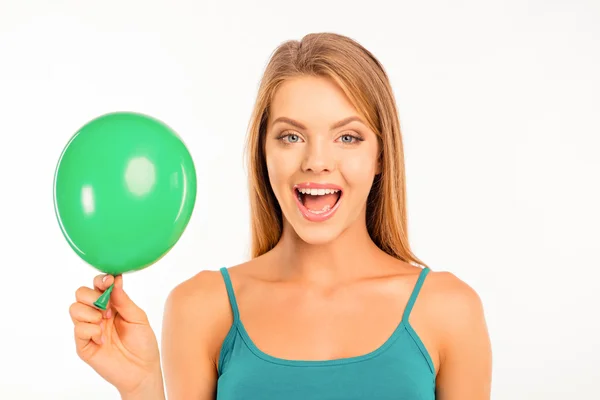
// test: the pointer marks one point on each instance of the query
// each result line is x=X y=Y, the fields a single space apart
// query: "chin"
x=317 y=235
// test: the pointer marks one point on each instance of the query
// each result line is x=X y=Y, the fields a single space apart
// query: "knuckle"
x=73 y=310
x=80 y=292
x=79 y=330
x=143 y=315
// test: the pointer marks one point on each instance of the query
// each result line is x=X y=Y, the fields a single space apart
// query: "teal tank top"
x=401 y=368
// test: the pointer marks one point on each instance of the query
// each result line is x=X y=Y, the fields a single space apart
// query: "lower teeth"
x=325 y=209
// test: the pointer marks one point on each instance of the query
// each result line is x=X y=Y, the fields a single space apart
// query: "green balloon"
x=124 y=191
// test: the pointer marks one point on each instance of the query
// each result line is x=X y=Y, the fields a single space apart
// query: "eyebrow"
x=336 y=125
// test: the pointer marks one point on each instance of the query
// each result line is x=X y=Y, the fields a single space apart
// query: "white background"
x=499 y=106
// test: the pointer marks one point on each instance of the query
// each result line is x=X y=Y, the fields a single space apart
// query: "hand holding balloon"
x=119 y=344
x=124 y=192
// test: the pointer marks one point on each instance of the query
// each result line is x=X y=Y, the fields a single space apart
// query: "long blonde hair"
x=365 y=83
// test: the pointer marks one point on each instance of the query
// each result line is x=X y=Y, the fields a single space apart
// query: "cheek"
x=281 y=166
x=359 y=169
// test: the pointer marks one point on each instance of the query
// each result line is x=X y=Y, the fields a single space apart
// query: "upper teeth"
x=317 y=192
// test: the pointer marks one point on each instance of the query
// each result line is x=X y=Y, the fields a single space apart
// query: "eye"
x=350 y=139
x=289 y=138
x=292 y=138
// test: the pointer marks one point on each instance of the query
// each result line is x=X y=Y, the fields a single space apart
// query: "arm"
x=465 y=356
x=196 y=320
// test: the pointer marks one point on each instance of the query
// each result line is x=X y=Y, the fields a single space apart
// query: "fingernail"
x=108 y=313
x=104 y=278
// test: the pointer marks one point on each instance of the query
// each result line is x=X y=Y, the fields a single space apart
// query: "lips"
x=317 y=202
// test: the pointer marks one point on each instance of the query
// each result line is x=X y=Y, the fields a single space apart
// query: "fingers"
x=84 y=332
x=87 y=320
x=119 y=300
x=123 y=304
x=86 y=317
x=102 y=282
x=87 y=296
x=80 y=312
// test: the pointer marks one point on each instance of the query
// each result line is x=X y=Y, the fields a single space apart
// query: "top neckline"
x=315 y=363
x=403 y=324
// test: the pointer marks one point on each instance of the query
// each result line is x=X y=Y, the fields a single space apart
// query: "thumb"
x=122 y=304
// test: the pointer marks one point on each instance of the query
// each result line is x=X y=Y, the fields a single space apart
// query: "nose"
x=318 y=158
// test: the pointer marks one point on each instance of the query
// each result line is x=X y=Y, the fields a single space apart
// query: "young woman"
x=333 y=304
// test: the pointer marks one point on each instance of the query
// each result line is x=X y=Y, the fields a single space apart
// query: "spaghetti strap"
x=230 y=294
x=414 y=294
x=403 y=365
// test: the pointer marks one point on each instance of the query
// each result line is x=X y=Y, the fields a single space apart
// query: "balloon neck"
x=102 y=301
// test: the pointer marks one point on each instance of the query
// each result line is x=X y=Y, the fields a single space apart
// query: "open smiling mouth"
x=317 y=202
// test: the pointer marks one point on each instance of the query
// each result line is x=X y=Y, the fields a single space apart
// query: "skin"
x=330 y=273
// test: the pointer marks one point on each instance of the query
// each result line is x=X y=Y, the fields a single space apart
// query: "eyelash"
x=357 y=138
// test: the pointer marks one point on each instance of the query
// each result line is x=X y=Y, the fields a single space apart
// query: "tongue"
x=318 y=203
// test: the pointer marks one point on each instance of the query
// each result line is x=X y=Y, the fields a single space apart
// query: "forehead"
x=311 y=100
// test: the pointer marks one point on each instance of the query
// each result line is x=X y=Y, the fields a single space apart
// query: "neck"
x=347 y=257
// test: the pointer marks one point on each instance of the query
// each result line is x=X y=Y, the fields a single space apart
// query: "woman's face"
x=320 y=157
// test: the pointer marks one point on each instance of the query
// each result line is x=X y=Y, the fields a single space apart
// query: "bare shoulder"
x=453 y=302
x=200 y=307
x=462 y=336
x=196 y=319
x=197 y=296
x=455 y=294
